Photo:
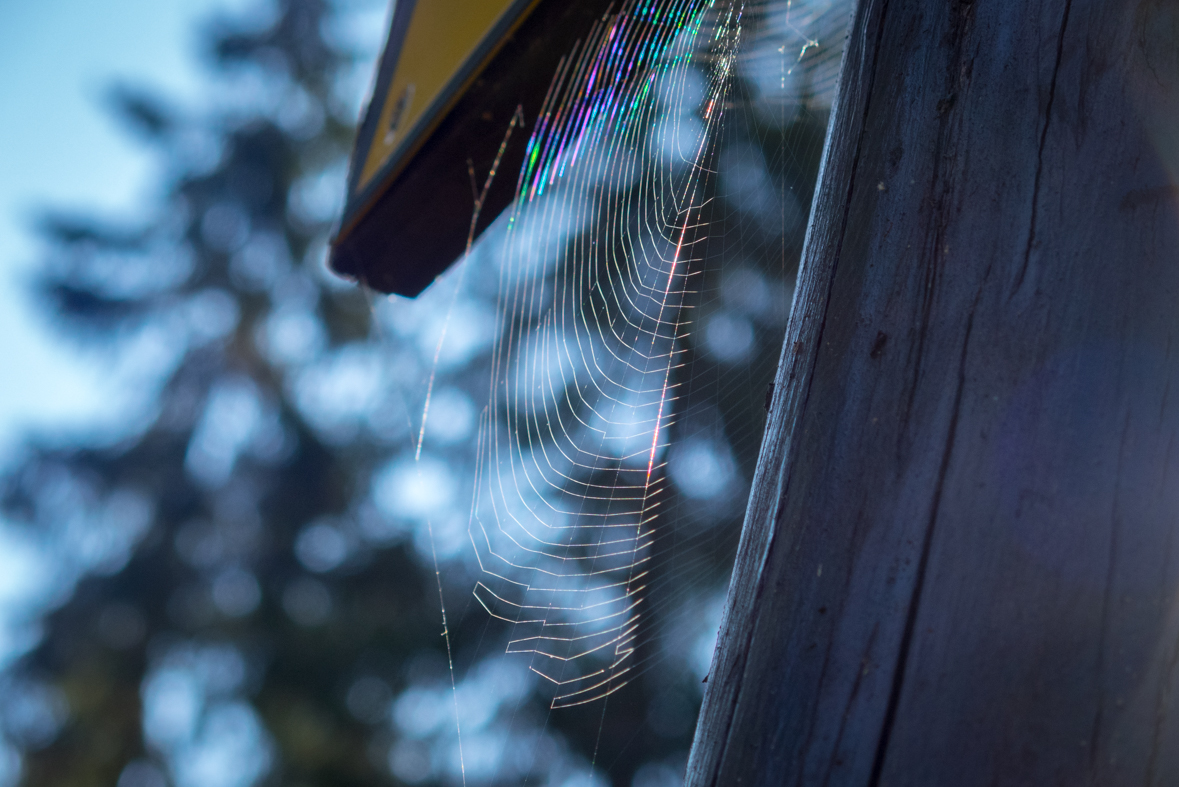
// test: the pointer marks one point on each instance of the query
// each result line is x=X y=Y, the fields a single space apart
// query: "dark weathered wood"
x=960 y=562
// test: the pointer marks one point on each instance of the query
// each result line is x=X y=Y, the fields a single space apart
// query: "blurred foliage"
x=239 y=604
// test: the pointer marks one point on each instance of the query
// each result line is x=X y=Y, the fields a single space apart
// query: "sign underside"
x=453 y=75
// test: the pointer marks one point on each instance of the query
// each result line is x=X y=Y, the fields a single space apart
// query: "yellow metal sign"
x=454 y=78
x=442 y=36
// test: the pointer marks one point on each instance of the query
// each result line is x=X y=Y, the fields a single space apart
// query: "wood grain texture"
x=960 y=562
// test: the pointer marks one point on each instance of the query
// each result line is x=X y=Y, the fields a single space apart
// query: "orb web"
x=643 y=266
x=584 y=384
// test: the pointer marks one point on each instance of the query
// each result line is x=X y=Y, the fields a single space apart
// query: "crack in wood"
x=1027 y=254
x=898 y=678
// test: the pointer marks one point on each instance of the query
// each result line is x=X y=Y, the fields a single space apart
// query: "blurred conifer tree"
x=195 y=647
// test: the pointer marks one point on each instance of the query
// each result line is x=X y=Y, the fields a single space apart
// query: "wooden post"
x=960 y=561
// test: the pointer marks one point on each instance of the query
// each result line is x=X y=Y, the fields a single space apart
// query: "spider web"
x=642 y=264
